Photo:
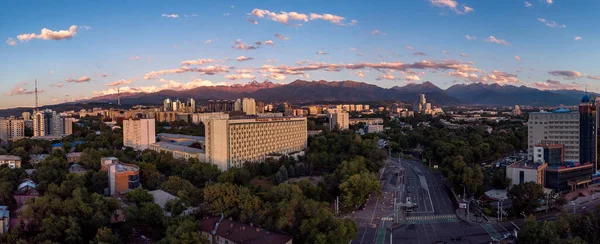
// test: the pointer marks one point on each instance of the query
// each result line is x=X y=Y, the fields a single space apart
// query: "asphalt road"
x=425 y=188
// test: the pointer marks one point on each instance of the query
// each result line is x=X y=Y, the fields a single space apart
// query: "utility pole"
x=36 y=96
x=337 y=205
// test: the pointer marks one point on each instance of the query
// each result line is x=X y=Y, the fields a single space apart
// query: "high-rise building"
x=39 y=127
x=359 y=107
x=338 y=119
x=139 y=133
x=167 y=105
x=366 y=106
x=220 y=105
x=198 y=118
x=422 y=99
x=237 y=106
x=588 y=131
x=12 y=129
x=47 y=123
x=557 y=127
x=191 y=105
x=249 y=106
x=26 y=116
x=233 y=142
x=67 y=125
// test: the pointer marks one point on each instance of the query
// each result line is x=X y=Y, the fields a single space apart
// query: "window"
x=521 y=177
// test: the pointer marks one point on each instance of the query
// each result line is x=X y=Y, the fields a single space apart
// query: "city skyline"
x=96 y=48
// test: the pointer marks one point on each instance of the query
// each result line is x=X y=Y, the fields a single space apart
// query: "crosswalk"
x=492 y=232
x=430 y=219
x=387 y=218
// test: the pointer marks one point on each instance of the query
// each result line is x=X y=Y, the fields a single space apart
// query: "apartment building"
x=557 y=127
x=203 y=117
x=338 y=118
x=139 y=133
x=179 y=151
x=232 y=142
x=12 y=129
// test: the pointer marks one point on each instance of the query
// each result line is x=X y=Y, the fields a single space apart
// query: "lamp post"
x=573 y=203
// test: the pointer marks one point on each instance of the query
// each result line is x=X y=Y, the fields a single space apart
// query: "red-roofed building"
x=225 y=231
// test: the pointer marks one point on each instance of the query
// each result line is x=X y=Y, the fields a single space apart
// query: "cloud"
x=471 y=37
x=412 y=77
x=445 y=52
x=80 y=80
x=244 y=71
x=410 y=48
x=210 y=41
x=397 y=66
x=134 y=58
x=549 y=1
x=226 y=14
x=498 y=77
x=593 y=77
x=258 y=43
x=243 y=58
x=240 y=76
x=209 y=70
x=11 y=42
x=551 y=24
x=353 y=22
x=168 y=85
x=322 y=53
x=464 y=55
x=19 y=89
x=360 y=73
x=276 y=76
x=528 y=4
x=269 y=42
x=375 y=32
x=420 y=54
x=555 y=85
x=253 y=21
x=578 y=38
x=285 y=17
x=197 y=62
x=566 y=74
x=517 y=58
x=386 y=76
x=170 y=16
x=238 y=44
x=271 y=61
x=497 y=41
x=59 y=85
x=46 y=34
x=103 y=75
x=452 y=5
x=121 y=82
x=281 y=37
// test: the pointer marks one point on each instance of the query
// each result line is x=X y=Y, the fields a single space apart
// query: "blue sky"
x=123 y=42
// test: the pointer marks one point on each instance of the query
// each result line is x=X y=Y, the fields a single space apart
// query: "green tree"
x=139 y=196
x=90 y=158
x=538 y=232
x=356 y=189
x=525 y=197
x=232 y=200
x=105 y=236
x=175 y=207
x=149 y=176
x=182 y=188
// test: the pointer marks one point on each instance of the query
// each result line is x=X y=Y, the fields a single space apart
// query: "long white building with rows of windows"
x=232 y=142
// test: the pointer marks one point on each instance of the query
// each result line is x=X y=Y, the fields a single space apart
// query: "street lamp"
x=573 y=203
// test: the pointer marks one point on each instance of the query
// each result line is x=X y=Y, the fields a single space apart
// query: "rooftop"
x=9 y=157
x=4 y=213
x=174 y=147
x=74 y=154
x=179 y=136
x=241 y=233
x=161 y=197
x=27 y=183
x=525 y=164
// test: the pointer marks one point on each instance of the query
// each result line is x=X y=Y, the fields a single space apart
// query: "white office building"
x=139 y=133
x=557 y=127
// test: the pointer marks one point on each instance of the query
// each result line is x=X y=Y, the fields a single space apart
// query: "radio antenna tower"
x=36 y=96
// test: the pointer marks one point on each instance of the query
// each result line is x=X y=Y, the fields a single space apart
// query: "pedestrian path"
x=380 y=236
x=492 y=232
x=430 y=219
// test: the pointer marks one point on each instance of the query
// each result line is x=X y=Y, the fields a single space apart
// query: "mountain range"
x=347 y=91
x=301 y=90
